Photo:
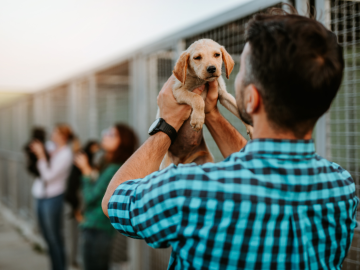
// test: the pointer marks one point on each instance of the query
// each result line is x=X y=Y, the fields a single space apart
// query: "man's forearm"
x=228 y=139
x=144 y=161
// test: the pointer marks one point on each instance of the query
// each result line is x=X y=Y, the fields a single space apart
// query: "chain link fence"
x=343 y=119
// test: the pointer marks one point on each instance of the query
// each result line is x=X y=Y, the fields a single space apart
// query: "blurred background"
x=94 y=63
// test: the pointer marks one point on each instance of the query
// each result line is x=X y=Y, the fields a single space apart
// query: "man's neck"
x=263 y=129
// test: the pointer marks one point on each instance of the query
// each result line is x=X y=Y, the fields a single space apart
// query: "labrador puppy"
x=199 y=64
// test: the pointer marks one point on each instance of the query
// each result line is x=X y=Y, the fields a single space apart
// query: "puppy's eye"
x=197 y=57
x=217 y=54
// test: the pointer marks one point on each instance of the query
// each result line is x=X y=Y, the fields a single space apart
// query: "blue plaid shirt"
x=275 y=204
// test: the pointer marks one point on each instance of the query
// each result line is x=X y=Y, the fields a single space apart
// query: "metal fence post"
x=301 y=6
x=132 y=93
x=139 y=257
x=37 y=108
x=152 y=67
x=139 y=96
x=320 y=135
x=72 y=101
x=93 y=110
x=50 y=109
x=320 y=128
x=134 y=254
x=178 y=48
x=143 y=133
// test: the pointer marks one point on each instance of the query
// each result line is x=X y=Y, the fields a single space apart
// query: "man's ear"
x=252 y=99
x=228 y=61
x=181 y=67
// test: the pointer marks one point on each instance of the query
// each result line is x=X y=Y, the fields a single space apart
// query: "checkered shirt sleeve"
x=148 y=208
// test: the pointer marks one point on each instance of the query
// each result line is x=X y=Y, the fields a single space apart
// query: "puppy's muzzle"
x=211 y=69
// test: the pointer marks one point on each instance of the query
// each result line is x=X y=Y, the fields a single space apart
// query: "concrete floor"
x=16 y=253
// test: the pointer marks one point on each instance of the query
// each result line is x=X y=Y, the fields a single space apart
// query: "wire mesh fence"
x=343 y=123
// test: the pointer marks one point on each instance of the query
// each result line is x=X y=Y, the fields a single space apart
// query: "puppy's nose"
x=211 y=69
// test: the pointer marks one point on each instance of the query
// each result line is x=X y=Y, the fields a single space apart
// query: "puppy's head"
x=203 y=59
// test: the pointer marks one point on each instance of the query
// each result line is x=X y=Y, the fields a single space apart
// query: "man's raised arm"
x=227 y=138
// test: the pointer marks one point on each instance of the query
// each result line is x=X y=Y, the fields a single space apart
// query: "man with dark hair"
x=272 y=203
x=296 y=65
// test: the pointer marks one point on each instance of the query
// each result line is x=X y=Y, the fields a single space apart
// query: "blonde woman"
x=48 y=190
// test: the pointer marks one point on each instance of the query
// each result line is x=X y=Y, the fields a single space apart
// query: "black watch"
x=161 y=125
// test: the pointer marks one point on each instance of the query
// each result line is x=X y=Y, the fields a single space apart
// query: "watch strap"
x=169 y=130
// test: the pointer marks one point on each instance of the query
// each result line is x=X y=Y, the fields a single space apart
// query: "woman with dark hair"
x=48 y=190
x=71 y=195
x=119 y=143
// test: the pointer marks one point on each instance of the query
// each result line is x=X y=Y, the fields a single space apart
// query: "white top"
x=53 y=174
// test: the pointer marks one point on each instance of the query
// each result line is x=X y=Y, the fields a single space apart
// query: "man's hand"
x=170 y=110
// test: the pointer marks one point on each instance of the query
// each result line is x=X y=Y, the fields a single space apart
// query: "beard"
x=244 y=116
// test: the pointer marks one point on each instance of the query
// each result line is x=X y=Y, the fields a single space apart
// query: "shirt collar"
x=295 y=149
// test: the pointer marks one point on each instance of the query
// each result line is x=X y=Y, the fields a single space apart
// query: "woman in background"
x=73 y=186
x=48 y=190
x=118 y=143
x=72 y=196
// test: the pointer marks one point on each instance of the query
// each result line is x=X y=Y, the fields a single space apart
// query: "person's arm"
x=151 y=208
x=148 y=157
x=227 y=138
x=60 y=163
x=92 y=191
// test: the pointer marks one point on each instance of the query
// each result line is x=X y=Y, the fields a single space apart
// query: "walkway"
x=16 y=253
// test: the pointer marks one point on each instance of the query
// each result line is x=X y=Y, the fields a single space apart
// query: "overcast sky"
x=43 y=42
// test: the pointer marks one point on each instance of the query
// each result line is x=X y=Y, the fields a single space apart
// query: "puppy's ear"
x=181 y=67
x=228 y=61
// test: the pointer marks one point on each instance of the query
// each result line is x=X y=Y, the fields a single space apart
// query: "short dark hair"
x=297 y=66
x=128 y=144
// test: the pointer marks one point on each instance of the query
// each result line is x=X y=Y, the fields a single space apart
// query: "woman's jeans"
x=95 y=249
x=49 y=212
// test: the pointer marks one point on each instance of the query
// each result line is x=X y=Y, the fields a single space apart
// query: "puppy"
x=199 y=64
x=37 y=134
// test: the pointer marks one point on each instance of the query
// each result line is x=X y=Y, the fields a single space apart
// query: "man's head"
x=291 y=68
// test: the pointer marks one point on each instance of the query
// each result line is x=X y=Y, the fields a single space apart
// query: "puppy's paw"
x=197 y=122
